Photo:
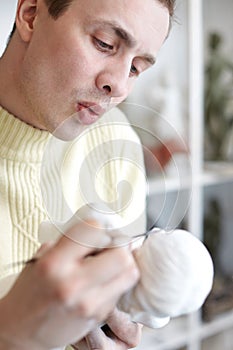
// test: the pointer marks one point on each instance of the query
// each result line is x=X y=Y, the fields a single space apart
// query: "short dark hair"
x=170 y=5
x=57 y=7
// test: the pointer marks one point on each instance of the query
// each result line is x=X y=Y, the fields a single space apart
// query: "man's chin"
x=69 y=129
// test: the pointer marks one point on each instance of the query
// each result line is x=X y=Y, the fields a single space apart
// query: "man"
x=66 y=58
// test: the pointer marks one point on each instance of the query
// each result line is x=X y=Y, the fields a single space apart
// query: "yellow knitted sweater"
x=44 y=178
x=21 y=211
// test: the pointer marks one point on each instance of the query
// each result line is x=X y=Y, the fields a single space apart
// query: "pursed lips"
x=94 y=108
x=89 y=112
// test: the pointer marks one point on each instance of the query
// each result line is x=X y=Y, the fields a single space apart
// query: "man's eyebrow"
x=130 y=42
x=126 y=37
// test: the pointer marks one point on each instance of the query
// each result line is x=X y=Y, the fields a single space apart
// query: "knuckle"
x=70 y=291
x=135 y=273
x=45 y=267
x=129 y=267
x=85 y=308
x=135 y=336
x=58 y=290
x=101 y=316
x=63 y=294
x=125 y=257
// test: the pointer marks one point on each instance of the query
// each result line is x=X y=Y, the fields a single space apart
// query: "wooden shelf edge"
x=212 y=175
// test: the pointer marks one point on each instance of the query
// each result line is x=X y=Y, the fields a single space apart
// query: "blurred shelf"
x=214 y=173
x=177 y=334
x=219 y=324
x=217 y=173
x=190 y=181
x=172 y=336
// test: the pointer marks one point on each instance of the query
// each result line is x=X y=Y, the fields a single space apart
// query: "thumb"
x=82 y=239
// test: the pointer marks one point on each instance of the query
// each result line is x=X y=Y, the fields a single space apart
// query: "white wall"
x=7 y=14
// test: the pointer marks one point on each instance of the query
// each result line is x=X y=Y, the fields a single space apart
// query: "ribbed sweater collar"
x=20 y=141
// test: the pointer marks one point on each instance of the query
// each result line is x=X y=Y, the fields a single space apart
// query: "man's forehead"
x=137 y=23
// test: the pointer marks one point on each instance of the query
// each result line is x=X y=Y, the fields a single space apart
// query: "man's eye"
x=102 y=45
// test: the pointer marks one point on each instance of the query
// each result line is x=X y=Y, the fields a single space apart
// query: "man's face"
x=89 y=58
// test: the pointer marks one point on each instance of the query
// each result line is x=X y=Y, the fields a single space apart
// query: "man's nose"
x=114 y=81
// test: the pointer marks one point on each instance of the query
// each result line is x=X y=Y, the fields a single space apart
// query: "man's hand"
x=119 y=333
x=66 y=293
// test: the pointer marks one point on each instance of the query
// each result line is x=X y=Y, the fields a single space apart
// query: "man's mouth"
x=89 y=112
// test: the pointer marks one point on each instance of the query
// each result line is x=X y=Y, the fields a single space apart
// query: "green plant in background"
x=212 y=231
x=218 y=100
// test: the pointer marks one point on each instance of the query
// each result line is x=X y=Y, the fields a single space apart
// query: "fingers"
x=110 y=264
x=84 y=286
x=100 y=282
x=95 y=340
x=81 y=345
x=98 y=340
x=89 y=288
x=79 y=241
x=127 y=331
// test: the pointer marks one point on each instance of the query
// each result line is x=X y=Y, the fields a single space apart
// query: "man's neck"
x=11 y=97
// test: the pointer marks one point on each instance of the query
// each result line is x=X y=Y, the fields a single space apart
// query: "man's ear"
x=25 y=17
